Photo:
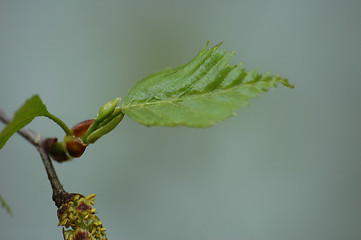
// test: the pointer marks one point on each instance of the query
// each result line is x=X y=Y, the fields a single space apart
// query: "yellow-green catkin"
x=78 y=218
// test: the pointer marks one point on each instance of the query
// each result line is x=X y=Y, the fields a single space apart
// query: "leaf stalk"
x=60 y=123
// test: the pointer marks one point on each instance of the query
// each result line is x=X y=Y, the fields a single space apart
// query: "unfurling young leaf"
x=200 y=93
x=107 y=119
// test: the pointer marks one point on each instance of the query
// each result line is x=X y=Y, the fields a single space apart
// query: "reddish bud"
x=56 y=150
x=80 y=129
x=74 y=146
x=81 y=234
x=83 y=207
x=59 y=156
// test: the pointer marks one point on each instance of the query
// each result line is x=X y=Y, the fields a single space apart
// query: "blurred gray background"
x=287 y=167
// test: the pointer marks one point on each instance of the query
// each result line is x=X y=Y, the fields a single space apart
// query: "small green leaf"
x=107 y=110
x=106 y=114
x=5 y=205
x=32 y=108
x=200 y=93
x=105 y=127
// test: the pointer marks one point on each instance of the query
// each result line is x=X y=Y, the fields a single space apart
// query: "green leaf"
x=200 y=93
x=5 y=205
x=32 y=108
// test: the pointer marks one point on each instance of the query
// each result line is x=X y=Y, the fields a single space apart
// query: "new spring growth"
x=78 y=218
x=107 y=119
x=71 y=147
x=107 y=109
x=106 y=126
x=87 y=132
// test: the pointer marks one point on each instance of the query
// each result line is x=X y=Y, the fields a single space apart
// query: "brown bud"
x=80 y=129
x=59 y=156
x=81 y=234
x=56 y=150
x=75 y=146
x=83 y=207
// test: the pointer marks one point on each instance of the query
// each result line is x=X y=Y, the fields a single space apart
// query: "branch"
x=43 y=145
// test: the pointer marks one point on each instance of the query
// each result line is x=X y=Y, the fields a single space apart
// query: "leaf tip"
x=286 y=83
x=214 y=48
x=205 y=48
x=219 y=44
